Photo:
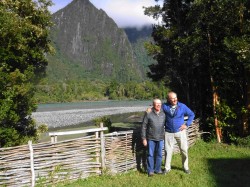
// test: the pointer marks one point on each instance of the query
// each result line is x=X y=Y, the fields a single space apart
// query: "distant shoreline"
x=45 y=107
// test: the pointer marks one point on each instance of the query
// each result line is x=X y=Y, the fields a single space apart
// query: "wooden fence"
x=50 y=163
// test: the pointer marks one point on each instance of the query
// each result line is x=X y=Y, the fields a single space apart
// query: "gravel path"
x=76 y=116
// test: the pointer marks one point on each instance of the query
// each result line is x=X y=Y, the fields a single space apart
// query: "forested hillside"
x=138 y=37
x=94 y=59
x=89 y=44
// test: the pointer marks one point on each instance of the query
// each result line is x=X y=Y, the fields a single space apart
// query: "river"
x=61 y=115
x=91 y=105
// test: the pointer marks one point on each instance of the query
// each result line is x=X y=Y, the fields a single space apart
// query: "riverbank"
x=60 y=115
x=63 y=118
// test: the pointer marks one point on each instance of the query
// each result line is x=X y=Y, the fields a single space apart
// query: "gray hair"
x=156 y=100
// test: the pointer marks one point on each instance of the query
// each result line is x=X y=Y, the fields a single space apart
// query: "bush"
x=243 y=142
x=105 y=120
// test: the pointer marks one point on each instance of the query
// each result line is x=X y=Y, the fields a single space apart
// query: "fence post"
x=126 y=151
x=33 y=177
x=53 y=139
x=102 y=148
x=97 y=153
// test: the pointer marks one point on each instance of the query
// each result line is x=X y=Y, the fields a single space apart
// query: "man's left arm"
x=190 y=119
x=190 y=115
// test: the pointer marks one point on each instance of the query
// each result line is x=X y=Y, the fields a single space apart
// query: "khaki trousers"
x=181 y=139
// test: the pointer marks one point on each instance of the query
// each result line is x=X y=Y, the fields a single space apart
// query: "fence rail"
x=49 y=163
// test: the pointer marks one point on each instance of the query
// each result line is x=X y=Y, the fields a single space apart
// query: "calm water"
x=90 y=105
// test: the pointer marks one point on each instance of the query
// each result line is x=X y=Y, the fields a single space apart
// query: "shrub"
x=243 y=142
x=105 y=120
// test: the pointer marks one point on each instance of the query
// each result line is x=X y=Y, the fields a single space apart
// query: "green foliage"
x=105 y=120
x=243 y=142
x=85 y=90
x=19 y=134
x=70 y=91
x=201 y=45
x=226 y=120
x=133 y=90
x=224 y=114
x=141 y=54
x=42 y=129
x=24 y=41
x=9 y=137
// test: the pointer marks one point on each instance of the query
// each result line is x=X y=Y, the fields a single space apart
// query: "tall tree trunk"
x=215 y=93
x=215 y=103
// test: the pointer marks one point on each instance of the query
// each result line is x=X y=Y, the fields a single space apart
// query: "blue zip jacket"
x=174 y=122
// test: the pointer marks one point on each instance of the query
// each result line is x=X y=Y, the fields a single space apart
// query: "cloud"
x=127 y=13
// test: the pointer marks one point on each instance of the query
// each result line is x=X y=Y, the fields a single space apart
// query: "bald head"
x=172 y=98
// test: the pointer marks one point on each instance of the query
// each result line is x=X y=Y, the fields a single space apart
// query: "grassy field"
x=211 y=164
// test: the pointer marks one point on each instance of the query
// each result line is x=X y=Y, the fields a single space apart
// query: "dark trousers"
x=154 y=157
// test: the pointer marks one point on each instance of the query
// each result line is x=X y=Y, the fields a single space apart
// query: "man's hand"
x=144 y=142
x=148 y=110
x=184 y=126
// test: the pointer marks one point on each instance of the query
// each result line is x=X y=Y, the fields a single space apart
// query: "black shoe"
x=166 y=171
x=187 y=171
x=151 y=174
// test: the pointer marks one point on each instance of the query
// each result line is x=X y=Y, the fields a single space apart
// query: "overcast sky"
x=124 y=12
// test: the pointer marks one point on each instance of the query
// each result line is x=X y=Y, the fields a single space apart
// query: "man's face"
x=157 y=105
x=172 y=99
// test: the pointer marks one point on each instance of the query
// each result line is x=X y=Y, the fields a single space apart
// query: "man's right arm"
x=148 y=110
x=144 y=142
x=144 y=129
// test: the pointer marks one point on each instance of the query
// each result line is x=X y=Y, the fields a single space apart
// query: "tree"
x=24 y=29
x=199 y=48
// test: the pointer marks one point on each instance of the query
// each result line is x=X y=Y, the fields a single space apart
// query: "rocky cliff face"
x=91 y=41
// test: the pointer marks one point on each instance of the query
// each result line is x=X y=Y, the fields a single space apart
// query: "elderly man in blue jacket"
x=176 y=129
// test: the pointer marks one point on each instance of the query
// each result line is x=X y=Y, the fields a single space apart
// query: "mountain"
x=134 y=34
x=89 y=44
x=137 y=38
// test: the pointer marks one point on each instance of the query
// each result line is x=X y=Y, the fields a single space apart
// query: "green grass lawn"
x=211 y=164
